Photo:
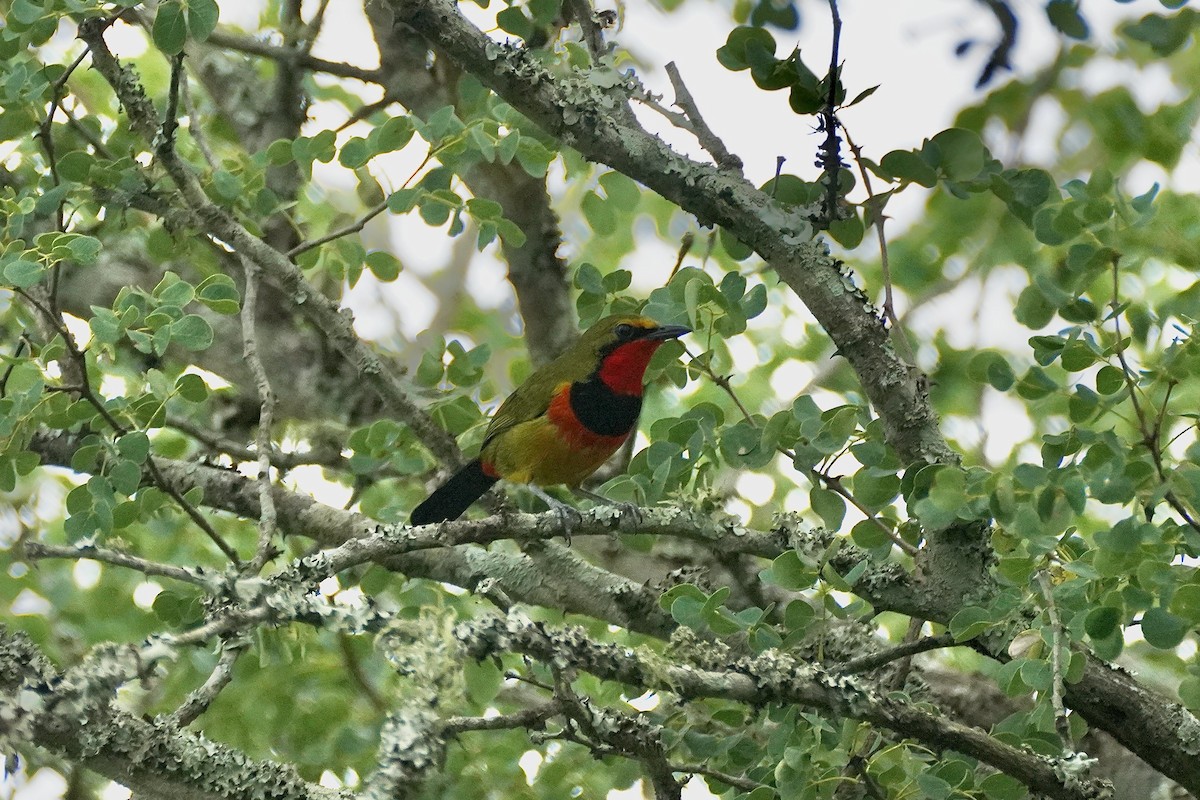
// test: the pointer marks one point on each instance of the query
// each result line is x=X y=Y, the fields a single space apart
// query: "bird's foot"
x=568 y=516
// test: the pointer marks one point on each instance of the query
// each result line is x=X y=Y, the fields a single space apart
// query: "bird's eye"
x=624 y=331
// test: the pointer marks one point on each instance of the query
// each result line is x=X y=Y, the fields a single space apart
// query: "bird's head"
x=621 y=346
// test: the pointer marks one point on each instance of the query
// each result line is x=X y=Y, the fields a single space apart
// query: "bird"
x=565 y=420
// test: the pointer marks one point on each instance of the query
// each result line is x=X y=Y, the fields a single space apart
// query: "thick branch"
x=581 y=115
x=772 y=677
x=334 y=322
x=43 y=707
x=537 y=274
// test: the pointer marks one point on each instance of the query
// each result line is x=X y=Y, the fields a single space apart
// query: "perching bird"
x=565 y=420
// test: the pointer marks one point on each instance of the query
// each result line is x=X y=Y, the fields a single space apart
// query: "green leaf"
x=960 y=153
x=355 y=153
x=202 y=18
x=178 y=609
x=1110 y=380
x=829 y=506
x=192 y=332
x=621 y=190
x=170 y=27
x=1102 y=621
x=404 y=200
x=135 y=446
x=1162 y=629
x=788 y=571
x=1189 y=692
x=969 y=623
x=27 y=12
x=383 y=265
x=392 y=135
x=868 y=534
x=23 y=273
x=219 y=293
x=1064 y=15
x=733 y=54
x=908 y=166
x=1185 y=603
x=191 y=387
x=1165 y=35
x=599 y=215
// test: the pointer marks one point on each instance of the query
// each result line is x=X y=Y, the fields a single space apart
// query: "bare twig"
x=875 y=660
x=877 y=218
x=37 y=551
x=1057 y=678
x=252 y=46
x=704 y=134
x=998 y=60
x=532 y=718
x=266 y=398
x=355 y=669
x=323 y=454
x=202 y=697
x=583 y=14
x=353 y=227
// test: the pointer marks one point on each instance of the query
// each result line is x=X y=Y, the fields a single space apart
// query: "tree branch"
x=335 y=323
x=772 y=677
x=63 y=713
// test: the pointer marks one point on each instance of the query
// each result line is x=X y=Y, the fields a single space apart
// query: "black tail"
x=454 y=496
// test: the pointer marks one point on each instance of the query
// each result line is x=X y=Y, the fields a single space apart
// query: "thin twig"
x=745 y=784
x=202 y=697
x=831 y=157
x=252 y=46
x=877 y=218
x=532 y=718
x=170 y=122
x=266 y=399
x=84 y=388
x=321 y=454
x=704 y=134
x=831 y=482
x=194 y=128
x=998 y=60
x=218 y=224
x=37 y=550
x=685 y=245
x=312 y=29
x=1061 y=725
x=1151 y=434
x=876 y=660
x=583 y=14
x=355 y=669
x=353 y=227
x=45 y=135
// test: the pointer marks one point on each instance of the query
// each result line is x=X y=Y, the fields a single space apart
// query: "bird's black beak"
x=664 y=332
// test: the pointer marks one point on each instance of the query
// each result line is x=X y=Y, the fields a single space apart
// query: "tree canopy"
x=917 y=508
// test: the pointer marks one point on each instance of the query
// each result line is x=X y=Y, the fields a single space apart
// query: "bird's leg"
x=626 y=508
x=568 y=516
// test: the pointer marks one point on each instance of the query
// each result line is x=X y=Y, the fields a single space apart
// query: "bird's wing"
x=528 y=402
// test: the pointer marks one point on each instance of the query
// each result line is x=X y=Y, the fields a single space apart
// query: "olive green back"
x=532 y=398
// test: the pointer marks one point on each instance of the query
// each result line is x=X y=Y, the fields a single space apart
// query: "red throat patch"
x=623 y=368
